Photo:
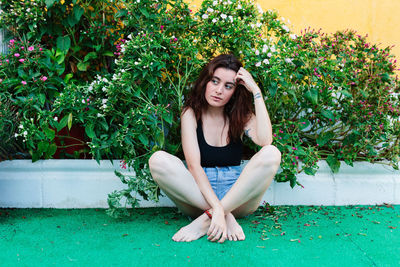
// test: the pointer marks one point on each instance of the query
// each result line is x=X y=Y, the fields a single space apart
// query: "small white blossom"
x=214 y=20
x=223 y=16
x=16 y=135
x=136 y=63
x=105 y=80
x=104 y=101
x=83 y=101
x=258 y=64
x=266 y=61
x=130 y=36
x=258 y=24
x=55 y=118
x=204 y=16
x=260 y=10
x=239 y=6
x=269 y=54
x=265 y=48
x=293 y=36
x=257 y=52
x=25 y=133
x=104 y=89
x=285 y=28
x=231 y=19
x=210 y=10
x=273 y=50
x=21 y=126
x=215 y=3
x=288 y=60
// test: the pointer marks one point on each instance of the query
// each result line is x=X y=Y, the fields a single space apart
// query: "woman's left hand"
x=244 y=77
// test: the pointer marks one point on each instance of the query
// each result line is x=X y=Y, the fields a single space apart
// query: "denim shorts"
x=222 y=178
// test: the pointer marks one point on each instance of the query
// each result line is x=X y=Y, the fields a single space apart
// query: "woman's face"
x=221 y=87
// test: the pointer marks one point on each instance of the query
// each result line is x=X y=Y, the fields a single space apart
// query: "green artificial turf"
x=277 y=236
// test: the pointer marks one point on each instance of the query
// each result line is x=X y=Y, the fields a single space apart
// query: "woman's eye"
x=228 y=86
x=214 y=81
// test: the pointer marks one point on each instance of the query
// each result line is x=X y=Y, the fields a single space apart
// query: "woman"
x=213 y=188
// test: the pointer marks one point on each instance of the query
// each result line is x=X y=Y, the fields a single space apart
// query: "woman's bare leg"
x=243 y=198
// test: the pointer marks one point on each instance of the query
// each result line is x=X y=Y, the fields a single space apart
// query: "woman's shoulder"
x=188 y=116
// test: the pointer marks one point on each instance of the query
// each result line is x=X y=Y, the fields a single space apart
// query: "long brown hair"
x=239 y=108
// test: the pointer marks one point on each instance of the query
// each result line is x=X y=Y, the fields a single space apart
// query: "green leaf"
x=312 y=96
x=328 y=114
x=42 y=146
x=89 y=131
x=333 y=163
x=50 y=133
x=78 y=12
x=63 y=43
x=68 y=77
x=49 y=3
x=70 y=121
x=324 y=138
x=62 y=123
x=144 y=139
x=273 y=88
x=82 y=66
x=310 y=171
x=42 y=98
x=51 y=150
x=89 y=56
x=108 y=54
x=346 y=93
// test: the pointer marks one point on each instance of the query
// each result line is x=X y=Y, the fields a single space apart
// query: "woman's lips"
x=216 y=98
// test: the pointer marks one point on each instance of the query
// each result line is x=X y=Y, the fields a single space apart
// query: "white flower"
x=215 y=3
x=285 y=28
x=210 y=10
x=55 y=118
x=231 y=18
x=273 y=49
x=25 y=133
x=136 y=63
x=260 y=10
x=293 y=36
x=16 y=135
x=223 y=16
x=21 y=126
x=104 y=101
x=130 y=36
x=266 y=61
x=265 y=48
x=138 y=1
x=104 y=106
x=239 y=7
x=257 y=52
x=214 y=20
x=98 y=115
x=105 y=80
x=258 y=24
x=90 y=88
x=269 y=54
x=283 y=19
x=204 y=16
x=123 y=70
x=258 y=64
x=104 y=89
x=288 y=60
x=83 y=101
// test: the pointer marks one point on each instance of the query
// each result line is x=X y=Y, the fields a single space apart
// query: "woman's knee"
x=158 y=161
x=269 y=156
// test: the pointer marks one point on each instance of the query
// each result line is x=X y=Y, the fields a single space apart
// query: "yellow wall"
x=380 y=19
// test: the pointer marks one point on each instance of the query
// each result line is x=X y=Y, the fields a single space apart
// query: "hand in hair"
x=244 y=78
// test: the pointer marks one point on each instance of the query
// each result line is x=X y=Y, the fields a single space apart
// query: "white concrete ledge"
x=86 y=184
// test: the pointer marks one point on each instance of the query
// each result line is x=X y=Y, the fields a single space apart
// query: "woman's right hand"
x=218 y=229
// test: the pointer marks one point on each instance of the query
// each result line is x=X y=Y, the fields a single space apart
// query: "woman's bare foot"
x=194 y=230
x=235 y=231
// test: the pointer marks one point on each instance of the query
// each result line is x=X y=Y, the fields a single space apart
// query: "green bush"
x=330 y=96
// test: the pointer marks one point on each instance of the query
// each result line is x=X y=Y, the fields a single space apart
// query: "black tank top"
x=213 y=156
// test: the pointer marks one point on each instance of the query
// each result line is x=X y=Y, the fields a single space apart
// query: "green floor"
x=287 y=236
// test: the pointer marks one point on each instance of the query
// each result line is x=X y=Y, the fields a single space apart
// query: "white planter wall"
x=86 y=184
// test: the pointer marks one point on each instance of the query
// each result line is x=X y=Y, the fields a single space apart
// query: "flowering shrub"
x=333 y=97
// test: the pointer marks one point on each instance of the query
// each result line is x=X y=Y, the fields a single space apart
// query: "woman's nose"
x=219 y=89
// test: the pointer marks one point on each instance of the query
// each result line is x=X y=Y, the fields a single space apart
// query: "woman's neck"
x=214 y=112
